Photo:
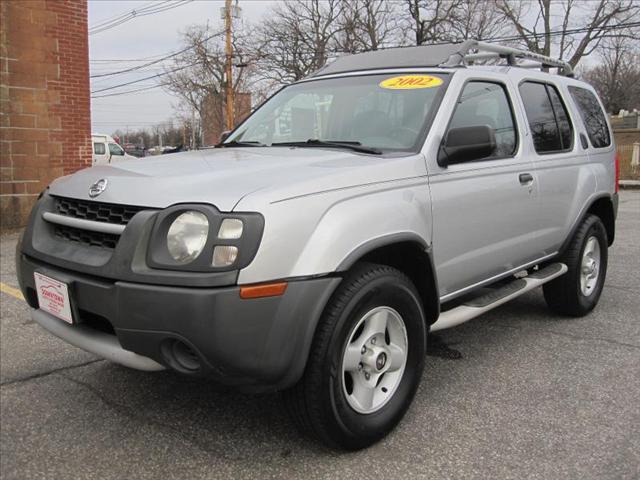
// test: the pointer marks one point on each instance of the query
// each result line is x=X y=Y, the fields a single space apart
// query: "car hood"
x=222 y=177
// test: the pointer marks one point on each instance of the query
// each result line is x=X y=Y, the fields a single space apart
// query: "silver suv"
x=389 y=195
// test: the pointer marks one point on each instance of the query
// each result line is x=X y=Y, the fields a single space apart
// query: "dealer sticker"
x=53 y=297
x=406 y=82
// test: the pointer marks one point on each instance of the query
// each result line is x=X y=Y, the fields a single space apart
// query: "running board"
x=479 y=305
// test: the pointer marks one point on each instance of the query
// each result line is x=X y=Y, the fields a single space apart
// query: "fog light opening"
x=181 y=357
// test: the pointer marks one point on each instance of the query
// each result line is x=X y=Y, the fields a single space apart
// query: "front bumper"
x=255 y=344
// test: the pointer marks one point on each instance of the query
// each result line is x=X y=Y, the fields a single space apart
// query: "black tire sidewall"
x=595 y=229
x=363 y=429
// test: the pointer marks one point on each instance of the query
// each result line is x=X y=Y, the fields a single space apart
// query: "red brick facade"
x=45 y=105
x=213 y=116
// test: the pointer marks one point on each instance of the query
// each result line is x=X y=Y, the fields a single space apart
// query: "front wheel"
x=366 y=360
x=577 y=292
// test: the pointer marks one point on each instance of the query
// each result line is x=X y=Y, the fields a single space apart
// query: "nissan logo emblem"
x=98 y=187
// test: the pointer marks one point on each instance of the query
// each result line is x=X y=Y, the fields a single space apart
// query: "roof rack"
x=442 y=55
x=488 y=51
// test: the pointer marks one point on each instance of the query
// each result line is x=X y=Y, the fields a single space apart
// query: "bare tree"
x=478 y=20
x=430 y=20
x=297 y=38
x=534 y=22
x=617 y=78
x=368 y=25
x=199 y=71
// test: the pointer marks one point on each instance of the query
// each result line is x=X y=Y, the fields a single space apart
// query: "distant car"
x=106 y=150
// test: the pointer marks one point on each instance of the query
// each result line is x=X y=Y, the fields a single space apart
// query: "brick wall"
x=45 y=105
x=213 y=115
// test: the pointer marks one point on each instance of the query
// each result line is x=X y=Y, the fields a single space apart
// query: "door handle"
x=525 y=178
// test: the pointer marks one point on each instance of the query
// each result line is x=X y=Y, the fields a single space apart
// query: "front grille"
x=86 y=237
x=96 y=211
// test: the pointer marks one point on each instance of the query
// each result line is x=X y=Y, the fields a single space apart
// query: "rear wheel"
x=366 y=360
x=577 y=292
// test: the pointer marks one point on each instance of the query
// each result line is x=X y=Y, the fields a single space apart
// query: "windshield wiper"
x=314 y=142
x=236 y=143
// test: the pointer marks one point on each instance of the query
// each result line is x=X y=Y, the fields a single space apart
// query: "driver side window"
x=486 y=103
x=115 y=149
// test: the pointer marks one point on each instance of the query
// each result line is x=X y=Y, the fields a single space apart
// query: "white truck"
x=106 y=150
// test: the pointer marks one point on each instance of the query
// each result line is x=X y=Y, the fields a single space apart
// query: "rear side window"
x=592 y=116
x=485 y=103
x=548 y=119
x=98 y=148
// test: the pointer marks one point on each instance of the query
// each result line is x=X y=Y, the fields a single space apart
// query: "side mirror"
x=224 y=135
x=464 y=144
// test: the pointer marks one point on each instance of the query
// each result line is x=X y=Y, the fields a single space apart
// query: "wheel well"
x=412 y=260
x=603 y=208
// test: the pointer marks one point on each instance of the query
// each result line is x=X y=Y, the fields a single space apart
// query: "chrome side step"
x=482 y=304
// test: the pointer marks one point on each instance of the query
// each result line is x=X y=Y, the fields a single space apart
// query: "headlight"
x=199 y=238
x=187 y=236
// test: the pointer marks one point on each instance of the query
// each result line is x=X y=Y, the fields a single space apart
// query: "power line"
x=166 y=57
x=145 y=78
x=148 y=9
x=128 y=91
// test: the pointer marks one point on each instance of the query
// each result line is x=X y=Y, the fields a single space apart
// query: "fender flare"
x=361 y=250
x=576 y=224
x=431 y=296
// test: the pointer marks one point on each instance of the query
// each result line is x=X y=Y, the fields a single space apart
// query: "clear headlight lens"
x=187 y=236
x=230 y=229
x=224 y=255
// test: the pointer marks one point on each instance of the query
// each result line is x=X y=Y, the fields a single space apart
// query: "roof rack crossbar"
x=486 y=51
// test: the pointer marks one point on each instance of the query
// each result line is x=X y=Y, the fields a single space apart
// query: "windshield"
x=386 y=112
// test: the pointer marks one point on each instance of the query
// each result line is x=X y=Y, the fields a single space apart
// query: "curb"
x=629 y=185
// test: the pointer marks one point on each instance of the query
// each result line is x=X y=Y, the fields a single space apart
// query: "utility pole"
x=193 y=129
x=229 y=66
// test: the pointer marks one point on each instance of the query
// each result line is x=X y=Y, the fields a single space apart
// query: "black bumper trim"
x=259 y=344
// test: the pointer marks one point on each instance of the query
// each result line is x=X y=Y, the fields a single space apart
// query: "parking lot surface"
x=532 y=395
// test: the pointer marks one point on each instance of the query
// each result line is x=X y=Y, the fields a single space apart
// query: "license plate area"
x=53 y=297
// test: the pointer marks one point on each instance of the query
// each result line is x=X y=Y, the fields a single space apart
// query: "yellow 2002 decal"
x=405 y=82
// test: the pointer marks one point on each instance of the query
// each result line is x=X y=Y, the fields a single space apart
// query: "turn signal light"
x=264 y=290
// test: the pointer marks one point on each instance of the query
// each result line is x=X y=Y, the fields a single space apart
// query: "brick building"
x=213 y=115
x=45 y=105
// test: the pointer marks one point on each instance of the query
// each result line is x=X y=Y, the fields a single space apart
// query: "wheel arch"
x=604 y=206
x=409 y=253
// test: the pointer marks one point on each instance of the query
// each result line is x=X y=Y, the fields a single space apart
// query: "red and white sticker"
x=53 y=297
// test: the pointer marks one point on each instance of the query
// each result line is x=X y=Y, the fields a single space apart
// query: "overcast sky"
x=139 y=38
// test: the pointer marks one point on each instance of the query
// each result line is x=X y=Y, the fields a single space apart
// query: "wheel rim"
x=590 y=266
x=374 y=359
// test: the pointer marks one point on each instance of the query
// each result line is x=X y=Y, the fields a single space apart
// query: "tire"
x=321 y=404
x=569 y=294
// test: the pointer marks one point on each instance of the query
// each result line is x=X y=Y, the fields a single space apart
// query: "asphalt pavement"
x=521 y=394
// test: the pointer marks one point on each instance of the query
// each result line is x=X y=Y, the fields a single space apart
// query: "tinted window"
x=98 y=148
x=592 y=116
x=562 y=117
x=484 y=103
x=542 y=120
